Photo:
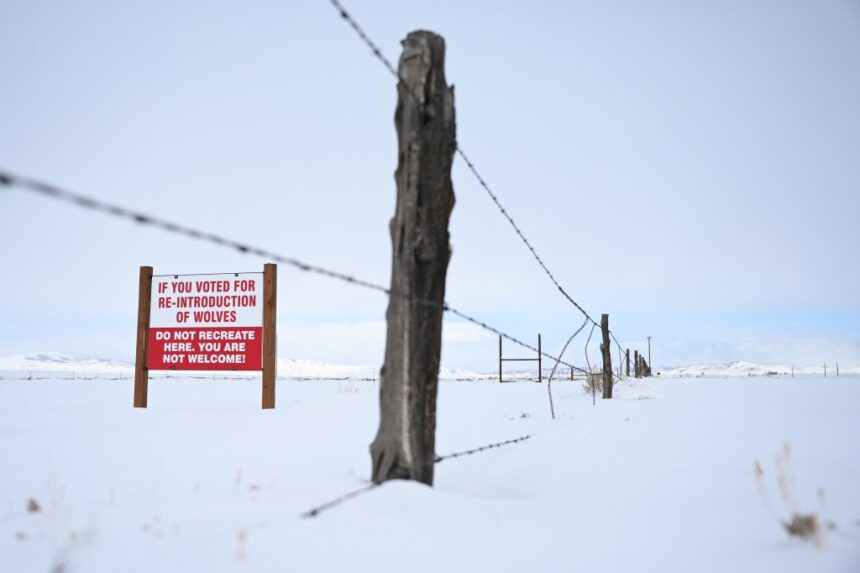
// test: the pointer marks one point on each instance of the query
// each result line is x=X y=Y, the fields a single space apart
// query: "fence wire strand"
x=439 y=459
x=315 y=511
x=11 y=181
x=377 y=53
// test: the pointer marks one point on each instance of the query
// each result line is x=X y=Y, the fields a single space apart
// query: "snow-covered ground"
x=661 y=478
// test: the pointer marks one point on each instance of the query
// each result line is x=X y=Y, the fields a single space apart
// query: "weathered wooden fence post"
x=404 y=447
x=636 y=364
x=607 y=357
x=644 y=369
x=627 y=359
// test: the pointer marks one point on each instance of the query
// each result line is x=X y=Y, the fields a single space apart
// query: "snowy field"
x=661 y=478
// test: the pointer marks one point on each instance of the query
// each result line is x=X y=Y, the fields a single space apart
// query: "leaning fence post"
x=607 y=357
x=404 y=447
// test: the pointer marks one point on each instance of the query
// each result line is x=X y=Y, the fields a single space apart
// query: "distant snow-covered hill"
x=742 y=368
x=61 y=362
x=67 y=362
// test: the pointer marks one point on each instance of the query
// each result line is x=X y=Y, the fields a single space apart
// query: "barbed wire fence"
x=392 y=70
x=12 y=181
x=379 y=55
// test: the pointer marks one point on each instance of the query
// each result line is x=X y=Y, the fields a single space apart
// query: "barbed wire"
x=315 y=511
x=377 y=53
x=439 y=459
x=520 y=234
x=11 y=181
x=365 y=38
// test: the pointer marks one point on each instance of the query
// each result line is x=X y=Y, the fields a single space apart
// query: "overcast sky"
x=690 y=168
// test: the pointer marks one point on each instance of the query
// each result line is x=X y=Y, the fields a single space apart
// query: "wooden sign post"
x=141 y=372
x=214 y=321
x=270 y=295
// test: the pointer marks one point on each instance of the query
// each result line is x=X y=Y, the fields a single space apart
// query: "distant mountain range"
x=65 y=362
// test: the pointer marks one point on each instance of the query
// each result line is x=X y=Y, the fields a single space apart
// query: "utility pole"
x=650 y=364
x=825 y=369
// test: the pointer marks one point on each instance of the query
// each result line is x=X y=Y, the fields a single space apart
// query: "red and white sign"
x=206 y=322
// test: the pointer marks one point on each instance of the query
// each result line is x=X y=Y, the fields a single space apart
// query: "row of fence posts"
x=641 y=368
x=825 y=370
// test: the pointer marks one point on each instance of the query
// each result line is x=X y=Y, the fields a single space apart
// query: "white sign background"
x=228 y=287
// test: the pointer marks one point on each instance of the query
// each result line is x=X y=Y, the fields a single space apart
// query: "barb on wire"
x=439 y=459
x=519 y=233
x=552 y=373
x=374 y=48
x=364 y=37
x=13 y=181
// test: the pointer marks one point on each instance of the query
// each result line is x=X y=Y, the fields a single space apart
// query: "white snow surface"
x=660 y=478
